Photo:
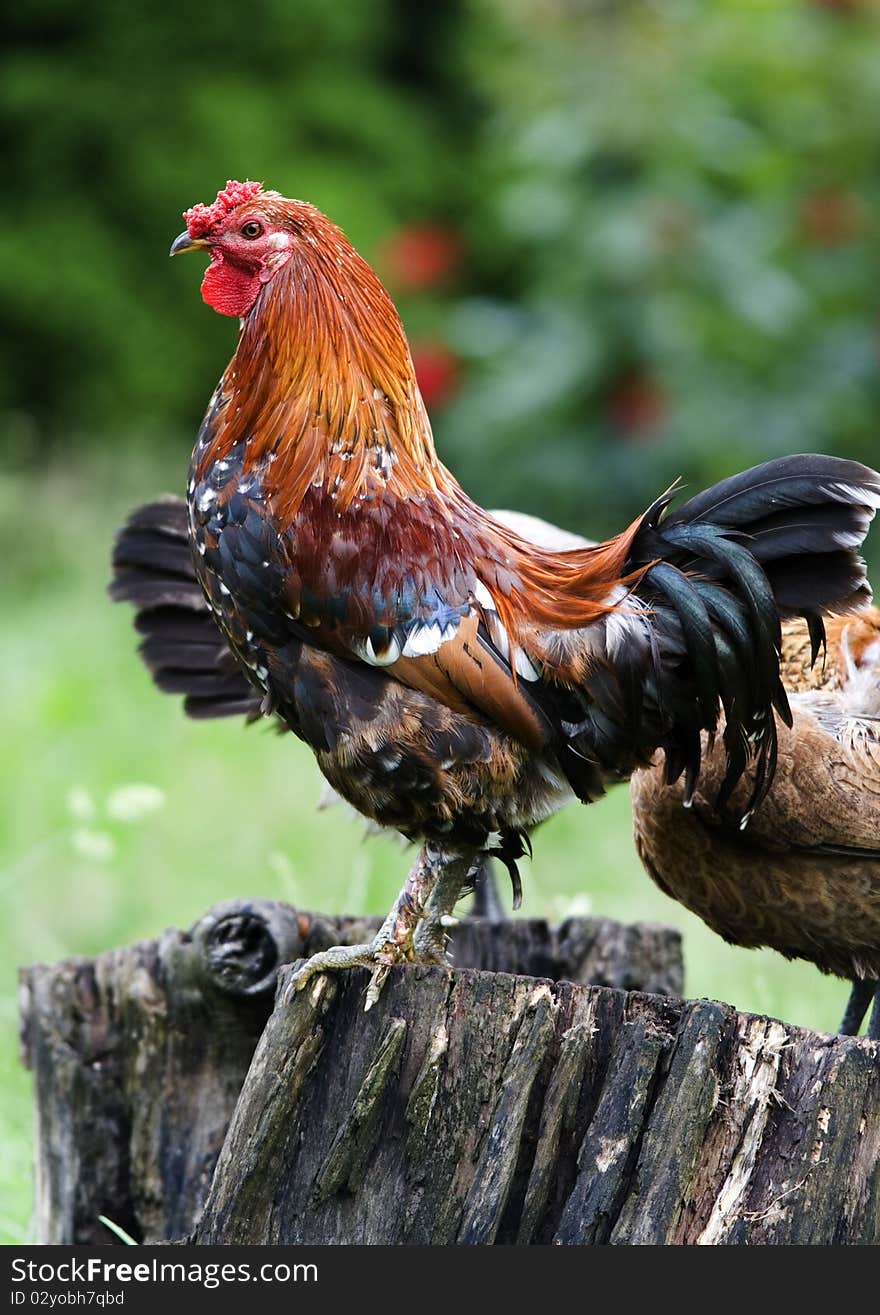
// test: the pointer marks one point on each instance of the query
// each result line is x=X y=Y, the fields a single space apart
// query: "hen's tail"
x=778 y=540
x=183 y=647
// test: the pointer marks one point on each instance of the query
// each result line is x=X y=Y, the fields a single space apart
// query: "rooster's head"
x=250 y=235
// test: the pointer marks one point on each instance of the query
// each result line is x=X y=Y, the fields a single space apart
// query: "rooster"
x=804 y=876
x=455 y=681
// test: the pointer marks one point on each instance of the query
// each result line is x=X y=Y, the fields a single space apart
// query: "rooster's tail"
x=183 y=647
x=779 y=540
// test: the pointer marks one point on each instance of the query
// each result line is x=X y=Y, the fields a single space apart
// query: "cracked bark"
x=139 y=1057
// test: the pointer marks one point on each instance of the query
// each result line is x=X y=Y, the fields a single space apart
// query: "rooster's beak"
x=186 y=243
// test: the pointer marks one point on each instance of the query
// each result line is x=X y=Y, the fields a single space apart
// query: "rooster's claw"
x=379 y=955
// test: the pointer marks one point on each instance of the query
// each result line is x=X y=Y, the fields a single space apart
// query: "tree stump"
x=139 y=1055
x=473 y=1107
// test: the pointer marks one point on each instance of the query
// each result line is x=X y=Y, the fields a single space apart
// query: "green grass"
x=81 y=720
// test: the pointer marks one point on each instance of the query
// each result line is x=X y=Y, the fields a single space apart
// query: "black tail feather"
x=805 y=480
x=776 y=541
x=182 y=647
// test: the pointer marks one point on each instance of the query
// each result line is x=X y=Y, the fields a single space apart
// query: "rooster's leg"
x=456 y=879
x=431 y=889
x=857 y=1006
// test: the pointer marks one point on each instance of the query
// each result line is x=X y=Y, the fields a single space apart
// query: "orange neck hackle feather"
x=322 y=379
x=322 y=384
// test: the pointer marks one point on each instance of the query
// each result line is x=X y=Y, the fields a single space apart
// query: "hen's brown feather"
x=804 y=876
x=853 y=639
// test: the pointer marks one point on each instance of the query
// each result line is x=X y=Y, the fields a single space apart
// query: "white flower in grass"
x=573 y=906
x=280 y=864
x=80 y=804
x=129 y=803
x=95 y=845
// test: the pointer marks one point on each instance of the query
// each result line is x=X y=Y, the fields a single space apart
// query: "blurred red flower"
x=436 y=371
x=420 y=255
x=839 y=6
x=637 y=405
x=829 y=217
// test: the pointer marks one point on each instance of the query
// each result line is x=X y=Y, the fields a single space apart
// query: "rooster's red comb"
x=201 y=220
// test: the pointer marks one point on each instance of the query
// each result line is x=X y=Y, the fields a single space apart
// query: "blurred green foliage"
x=666 y=214
x=116 y=117
x=679 y=248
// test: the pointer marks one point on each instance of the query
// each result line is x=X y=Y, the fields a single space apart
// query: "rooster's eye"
x=252 y=229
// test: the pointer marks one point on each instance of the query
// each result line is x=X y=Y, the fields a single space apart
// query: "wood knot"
x=241 y=944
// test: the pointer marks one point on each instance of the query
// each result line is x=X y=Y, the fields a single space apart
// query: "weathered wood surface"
x=471 y=1107
x=140 y=1054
